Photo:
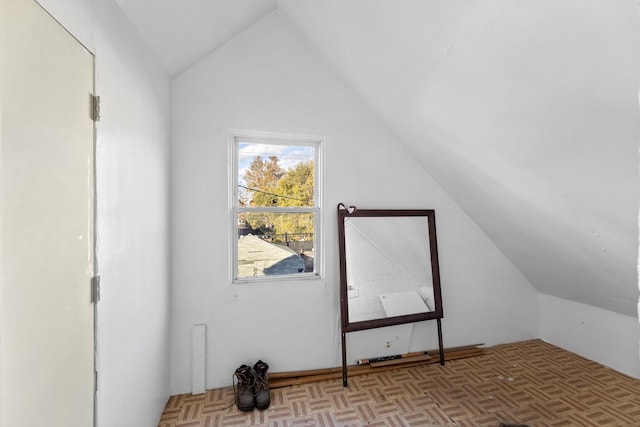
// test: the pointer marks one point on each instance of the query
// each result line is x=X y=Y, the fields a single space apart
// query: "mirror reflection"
x=388 y=266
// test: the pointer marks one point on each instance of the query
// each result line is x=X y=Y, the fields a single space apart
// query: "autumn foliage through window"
x=276 y=208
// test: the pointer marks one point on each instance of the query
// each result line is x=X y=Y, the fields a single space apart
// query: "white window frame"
x=282 y=139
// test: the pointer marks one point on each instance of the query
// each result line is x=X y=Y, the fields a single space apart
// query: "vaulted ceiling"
x=526 y=112
x=182 y=32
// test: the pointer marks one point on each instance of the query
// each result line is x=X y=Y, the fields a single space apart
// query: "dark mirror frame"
x=353 y=212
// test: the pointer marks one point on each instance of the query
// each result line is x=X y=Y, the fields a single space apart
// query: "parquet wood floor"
x=529 y=382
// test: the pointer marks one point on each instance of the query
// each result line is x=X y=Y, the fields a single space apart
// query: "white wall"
x=269 y=79
x=603 y=336
x=133 y=225
x=132 y=218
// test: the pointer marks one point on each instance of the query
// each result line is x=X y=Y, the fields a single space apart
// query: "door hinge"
x=95 y=289
x=95 y=108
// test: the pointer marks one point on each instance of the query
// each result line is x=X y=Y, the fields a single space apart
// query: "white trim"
x=277 y=209
x=232 y=188
x=318 y=262
x=260 y=280
x=276 y=138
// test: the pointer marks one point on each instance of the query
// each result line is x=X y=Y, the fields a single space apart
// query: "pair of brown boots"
x=252 y=387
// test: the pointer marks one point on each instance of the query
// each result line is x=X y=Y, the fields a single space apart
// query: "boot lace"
x=261 y=382
x=242 y=380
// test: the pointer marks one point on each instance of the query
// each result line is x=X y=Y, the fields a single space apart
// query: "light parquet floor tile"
x=529 y=382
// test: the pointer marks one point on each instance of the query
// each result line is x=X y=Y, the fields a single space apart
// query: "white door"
x=46 y=222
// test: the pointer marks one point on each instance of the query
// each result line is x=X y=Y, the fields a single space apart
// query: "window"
x=276 y=208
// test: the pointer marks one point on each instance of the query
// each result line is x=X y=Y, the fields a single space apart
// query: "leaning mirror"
x=389 y=272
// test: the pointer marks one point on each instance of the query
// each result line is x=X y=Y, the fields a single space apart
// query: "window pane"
x=275 y=175
x=275 y=243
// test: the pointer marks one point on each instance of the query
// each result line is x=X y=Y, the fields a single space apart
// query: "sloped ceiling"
x=525 y=112
x=182 y=32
